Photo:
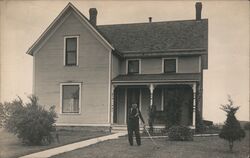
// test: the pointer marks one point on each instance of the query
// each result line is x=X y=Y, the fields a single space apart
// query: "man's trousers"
x=133 y=127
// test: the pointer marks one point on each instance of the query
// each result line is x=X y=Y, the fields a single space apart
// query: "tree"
x=31 y=122
x=231 y=130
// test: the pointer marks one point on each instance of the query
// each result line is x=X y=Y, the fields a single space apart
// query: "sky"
x=22 y=22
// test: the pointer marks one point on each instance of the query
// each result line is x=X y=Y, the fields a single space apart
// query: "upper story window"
x=133 y=66
x=170 y=65
x=71 y=51
x=71 y=97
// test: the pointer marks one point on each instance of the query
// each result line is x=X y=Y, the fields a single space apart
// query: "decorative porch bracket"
x=194 y=105
x=151 y=88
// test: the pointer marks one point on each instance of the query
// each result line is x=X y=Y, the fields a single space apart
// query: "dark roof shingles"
x=147 y=37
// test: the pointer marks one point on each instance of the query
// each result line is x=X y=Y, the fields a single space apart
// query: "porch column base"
x=191 y=127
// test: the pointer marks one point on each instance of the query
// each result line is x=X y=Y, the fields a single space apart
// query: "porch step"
x=123 y=128
x=118 y=128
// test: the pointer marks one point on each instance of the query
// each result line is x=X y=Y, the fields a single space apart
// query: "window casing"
x=70 y=98
x=71 y=51
x=170 y=65
x=133 y=66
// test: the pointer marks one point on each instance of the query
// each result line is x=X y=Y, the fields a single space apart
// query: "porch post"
x=112 y=103
x=151 y=88
x=194 y=105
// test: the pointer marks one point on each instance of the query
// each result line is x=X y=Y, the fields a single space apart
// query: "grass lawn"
x=201 y=147
x=11 y=147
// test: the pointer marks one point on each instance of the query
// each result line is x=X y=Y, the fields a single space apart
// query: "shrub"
x=180 y=133
x=231 y=129
x=200 y=125
x=31 y=122
x=247 y=126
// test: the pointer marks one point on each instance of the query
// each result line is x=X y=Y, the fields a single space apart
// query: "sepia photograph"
x=123 y=78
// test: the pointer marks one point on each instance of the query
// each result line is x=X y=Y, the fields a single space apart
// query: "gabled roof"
x=48 y=31
x=157 y=36
x=171 y=37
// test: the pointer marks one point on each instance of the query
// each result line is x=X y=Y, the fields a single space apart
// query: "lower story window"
x=71 y=98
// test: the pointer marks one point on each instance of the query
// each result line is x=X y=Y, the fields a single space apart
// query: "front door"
x=133 y=97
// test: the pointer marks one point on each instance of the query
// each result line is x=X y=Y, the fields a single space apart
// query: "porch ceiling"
x=185 y=77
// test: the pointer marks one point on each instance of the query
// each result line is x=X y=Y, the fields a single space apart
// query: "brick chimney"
x=92 y=16
x=198 y=7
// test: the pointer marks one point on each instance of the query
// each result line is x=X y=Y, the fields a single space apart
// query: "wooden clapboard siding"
x=116 y=64
x=123 y=67
x=92 y=71
x=154 y=65
x=151 y=66
x=188 y=64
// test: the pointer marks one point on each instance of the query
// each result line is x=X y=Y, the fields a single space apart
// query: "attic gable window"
x=170 y=65
x=71 y=51
x=133 y=66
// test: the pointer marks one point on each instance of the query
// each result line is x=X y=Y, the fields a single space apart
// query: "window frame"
x=127 y=61
x=65 y=51
x=61 y=97
x=163 y=65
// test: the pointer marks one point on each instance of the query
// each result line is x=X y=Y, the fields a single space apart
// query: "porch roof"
x=157 y=77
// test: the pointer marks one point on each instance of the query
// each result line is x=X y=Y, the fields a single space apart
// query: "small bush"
x=31 y=122
x=180 y=133
x=231 y=130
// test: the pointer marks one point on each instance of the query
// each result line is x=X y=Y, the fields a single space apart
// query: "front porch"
x=163 y=96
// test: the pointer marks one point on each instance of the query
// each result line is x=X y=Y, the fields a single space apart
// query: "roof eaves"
x=157 y=77
x=168 y=50
x=93 y=28
x=30 y=51
x=155 y=81
x=164 y=53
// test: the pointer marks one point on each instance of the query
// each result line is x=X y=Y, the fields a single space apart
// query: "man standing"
x=133 y=124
